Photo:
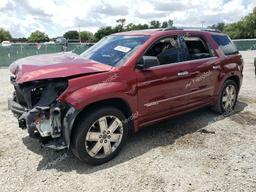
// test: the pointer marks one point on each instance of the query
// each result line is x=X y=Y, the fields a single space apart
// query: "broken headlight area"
x=38 y=93
x=37 y=109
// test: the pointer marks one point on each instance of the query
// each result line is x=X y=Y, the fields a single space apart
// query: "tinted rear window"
x=225 y=44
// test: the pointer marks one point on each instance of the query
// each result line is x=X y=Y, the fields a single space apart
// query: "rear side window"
x=225 y=44
x=198 y=48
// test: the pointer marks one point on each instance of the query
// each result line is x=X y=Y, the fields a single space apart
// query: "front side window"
x=115 y=49
x=167 y=50
x=225 y=44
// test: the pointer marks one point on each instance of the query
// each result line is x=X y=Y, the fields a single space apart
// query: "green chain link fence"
x=245 y=44
x=11 y=53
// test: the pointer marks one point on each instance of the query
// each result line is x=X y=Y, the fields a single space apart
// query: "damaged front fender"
x=68 y=123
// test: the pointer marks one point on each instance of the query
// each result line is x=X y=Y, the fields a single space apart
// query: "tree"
x=38 y=36
x=86 y=36
x=120 y=25
x=20 y=40
x=5 y=35
x=141 y=26
x=243 y=29
x=218 y=26
x=71 y=35
x=104 y=31
x=154 y=24
x=236 y=30
x=165 y=24
x=170 y=23
x=130 y=27
x=250 y=24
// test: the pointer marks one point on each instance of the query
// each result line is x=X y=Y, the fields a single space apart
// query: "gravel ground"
x=198 y=151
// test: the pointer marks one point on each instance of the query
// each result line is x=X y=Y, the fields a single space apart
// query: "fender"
x=79 y=99
x=228 y=70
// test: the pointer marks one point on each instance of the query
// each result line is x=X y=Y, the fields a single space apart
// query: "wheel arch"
x=118 y=103
x=231 y=76
x=234 y=78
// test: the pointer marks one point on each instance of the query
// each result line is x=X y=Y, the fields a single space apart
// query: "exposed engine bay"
x=39 y=81
x=35 y=106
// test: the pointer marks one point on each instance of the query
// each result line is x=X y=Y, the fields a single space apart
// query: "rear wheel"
x=227 y=98
x=100 y=135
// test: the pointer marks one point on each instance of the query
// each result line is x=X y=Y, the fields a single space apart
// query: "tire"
x=220 y=106
x=99 y=135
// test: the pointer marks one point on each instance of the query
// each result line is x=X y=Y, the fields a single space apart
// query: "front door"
x=161 y=89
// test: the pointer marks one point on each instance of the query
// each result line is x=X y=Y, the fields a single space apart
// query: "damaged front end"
x=37 y=109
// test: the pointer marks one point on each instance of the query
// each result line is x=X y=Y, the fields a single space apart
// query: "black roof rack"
x=191 y=28
x=211 y=30
x=172 y=28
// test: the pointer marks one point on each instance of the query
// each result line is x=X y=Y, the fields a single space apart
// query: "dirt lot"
x=198 y=151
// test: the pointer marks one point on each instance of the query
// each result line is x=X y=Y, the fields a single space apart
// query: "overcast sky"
x=54 y=17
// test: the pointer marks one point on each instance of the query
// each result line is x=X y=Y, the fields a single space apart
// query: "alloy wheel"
x=104 y=136
x=229 y=98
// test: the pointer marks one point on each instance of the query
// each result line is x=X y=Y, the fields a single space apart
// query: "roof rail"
x=172 y=28
x=211 y=30
x=191 y=28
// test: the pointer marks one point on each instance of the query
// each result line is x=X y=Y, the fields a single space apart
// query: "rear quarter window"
x=225 y=44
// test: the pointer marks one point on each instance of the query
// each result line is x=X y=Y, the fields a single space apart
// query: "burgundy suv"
x=89 y=102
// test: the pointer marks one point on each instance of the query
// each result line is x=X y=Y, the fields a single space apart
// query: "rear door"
x=205 y=69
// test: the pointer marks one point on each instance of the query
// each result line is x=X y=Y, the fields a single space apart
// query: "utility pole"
x=203 y=22
x=79 y=33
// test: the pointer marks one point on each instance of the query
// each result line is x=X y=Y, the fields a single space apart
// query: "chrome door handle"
x=183 y=73
x=216 y=67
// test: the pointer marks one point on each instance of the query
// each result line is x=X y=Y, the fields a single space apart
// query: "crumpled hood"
x=56 y=65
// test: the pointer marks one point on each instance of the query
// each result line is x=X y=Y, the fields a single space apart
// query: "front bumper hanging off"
x=41 y=122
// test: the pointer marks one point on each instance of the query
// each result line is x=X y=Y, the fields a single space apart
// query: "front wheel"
x=227 y=98
x=100 y=135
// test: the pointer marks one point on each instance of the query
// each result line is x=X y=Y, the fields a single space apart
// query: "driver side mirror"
x=147 y=61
